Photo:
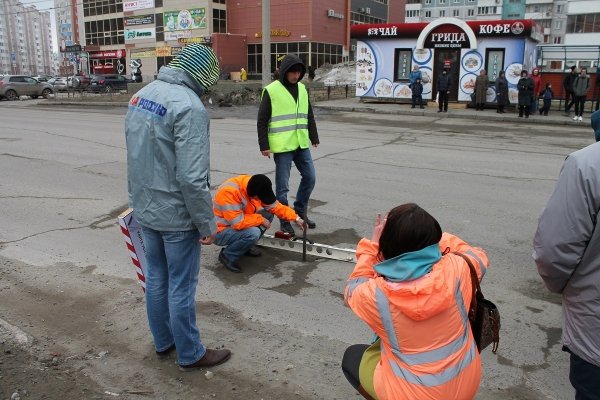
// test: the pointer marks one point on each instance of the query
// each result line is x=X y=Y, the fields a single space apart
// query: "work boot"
x=253 y=252
x=230 y=265
x=210 y=359
x=286 y=227
x=311 y=224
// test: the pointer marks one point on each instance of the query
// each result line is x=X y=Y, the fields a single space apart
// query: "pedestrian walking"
x=417 y=93
x=547 y=95
x=537 y=89
x=501 y=92
x=567 y=253
x=413 y=292
x=244 y=206
x=525 y=87
x=168 y=176
x=581 y=86
x=287 y=128
x=443 y=85
x=481 y=86
x=568 y=89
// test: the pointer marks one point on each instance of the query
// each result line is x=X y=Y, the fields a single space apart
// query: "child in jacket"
x=417 y=93
x=547 y=95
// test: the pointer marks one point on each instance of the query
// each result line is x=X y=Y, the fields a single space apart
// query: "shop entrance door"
x=445 y=57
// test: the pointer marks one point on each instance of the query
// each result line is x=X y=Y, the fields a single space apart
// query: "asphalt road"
x=63 y=183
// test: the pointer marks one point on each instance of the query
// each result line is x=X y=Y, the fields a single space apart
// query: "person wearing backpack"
x=547 y=95
x=581 y=86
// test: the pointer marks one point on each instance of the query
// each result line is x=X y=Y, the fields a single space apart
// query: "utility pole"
x=266 y=42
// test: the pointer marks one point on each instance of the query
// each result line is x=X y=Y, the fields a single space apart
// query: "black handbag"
x=484 y=316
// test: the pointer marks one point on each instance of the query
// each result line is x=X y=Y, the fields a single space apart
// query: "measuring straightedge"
x=314 y=249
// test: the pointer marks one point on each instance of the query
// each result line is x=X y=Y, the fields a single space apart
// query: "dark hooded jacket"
x=264 y=111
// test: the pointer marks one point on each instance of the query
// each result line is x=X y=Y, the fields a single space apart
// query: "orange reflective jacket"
x=235 y=209
x=427 y=348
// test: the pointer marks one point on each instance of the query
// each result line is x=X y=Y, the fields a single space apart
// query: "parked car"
x=43 y=78
x=62 y=83
x=108 y=83
x=81 y=82
x=14 y=86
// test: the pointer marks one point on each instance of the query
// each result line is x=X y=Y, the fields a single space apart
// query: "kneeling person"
x=244 y=207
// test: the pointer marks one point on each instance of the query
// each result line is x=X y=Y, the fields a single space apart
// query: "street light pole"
x=266 y=42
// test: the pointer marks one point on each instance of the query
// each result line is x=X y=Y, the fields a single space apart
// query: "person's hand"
x=379 y=224
x=266 y=153
x=315 y=145
x=266 y=223
x=300 y=222
x=208 y=239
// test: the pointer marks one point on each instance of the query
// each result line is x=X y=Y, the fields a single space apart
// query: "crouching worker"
x=414 y=293
x=244 y=207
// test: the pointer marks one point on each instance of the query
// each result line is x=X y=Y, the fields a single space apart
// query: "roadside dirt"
x=68 y=333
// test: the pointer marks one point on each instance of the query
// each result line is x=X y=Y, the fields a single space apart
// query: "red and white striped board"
x=135 y=244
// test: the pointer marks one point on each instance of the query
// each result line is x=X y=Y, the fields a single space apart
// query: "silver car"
x=14 y=86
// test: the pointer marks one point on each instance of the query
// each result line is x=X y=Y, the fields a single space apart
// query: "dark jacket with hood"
x=264 y=111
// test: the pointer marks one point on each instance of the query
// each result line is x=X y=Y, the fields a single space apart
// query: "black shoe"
x=166 y=352
x=210 y=359
x=413 y=107
x=422 y=107
x=286 y=227
x=445 y=110
x=230 y=265
x=253 y=252
x=309 y=223
x=439 y=110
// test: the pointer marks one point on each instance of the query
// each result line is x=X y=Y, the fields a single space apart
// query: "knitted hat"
x=260 y=186
x=200 y=62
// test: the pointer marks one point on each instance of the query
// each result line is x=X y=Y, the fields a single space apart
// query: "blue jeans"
x=237 y=242
x=304 y=165
x=172 y=267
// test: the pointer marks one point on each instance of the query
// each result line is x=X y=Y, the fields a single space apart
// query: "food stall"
x=386 y=54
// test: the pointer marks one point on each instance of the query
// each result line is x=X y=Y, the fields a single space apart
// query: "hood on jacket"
x=180 y=77
x=596 y=124
x=287 y=63
x=411 y=265
x=534 y=70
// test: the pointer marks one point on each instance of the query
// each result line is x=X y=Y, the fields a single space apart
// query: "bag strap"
x=477 y=293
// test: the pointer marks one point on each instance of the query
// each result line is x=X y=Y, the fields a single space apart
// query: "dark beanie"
x=260 y=185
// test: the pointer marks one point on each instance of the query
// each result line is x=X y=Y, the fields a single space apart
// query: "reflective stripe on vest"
x=481 y=264
x=270 y=206
x=231 y=207
x=353 y=284
x=430 y=356
x=288 y=126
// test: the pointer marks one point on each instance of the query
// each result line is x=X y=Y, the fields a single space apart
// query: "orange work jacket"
x=234 y=209
x=427 y=348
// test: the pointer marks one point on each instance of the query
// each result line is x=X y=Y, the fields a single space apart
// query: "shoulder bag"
x=483 y=314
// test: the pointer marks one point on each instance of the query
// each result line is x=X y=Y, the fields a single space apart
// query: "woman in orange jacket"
x=414 y=293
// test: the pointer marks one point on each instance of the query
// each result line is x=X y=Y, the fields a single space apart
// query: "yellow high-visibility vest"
x=288 y=127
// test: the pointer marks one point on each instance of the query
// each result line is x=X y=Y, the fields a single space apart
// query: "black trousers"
x=524 y=109
x=443 y=100
x=417 y=100
x=585 y=378
x=351 y=361
x=569 y=96
x=579 y=105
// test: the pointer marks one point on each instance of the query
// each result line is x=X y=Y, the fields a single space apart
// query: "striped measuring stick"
x=135 y=244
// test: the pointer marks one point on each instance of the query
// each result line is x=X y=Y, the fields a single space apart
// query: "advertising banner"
x=185 y=19
x=169 y=36
x=139 y=34
x=143 y=53
x=201 y=39
x=132 y=5
x=108 y=54
x=139 y=20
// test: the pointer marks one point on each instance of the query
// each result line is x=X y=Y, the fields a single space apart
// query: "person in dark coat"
x=525 y=86
x=481 y=86
x=568 y=86
x=547 y=95
x=417 y=93
x=501 y=92
x=444 y=83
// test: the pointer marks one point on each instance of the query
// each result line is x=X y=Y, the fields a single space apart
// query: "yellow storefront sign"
x=191 y=40
x=163 y=51
x=143 y=53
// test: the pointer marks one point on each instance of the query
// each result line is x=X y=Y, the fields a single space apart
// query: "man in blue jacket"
x=168 y=177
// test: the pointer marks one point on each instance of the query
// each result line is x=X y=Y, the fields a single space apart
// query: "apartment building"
x=25 y=40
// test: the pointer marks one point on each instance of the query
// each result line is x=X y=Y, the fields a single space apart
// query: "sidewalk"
x=455 y=110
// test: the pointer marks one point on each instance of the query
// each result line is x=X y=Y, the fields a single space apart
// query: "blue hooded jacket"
x=596 y=124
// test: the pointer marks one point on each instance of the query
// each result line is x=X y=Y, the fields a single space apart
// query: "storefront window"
x=402 y=64
x=494 y=62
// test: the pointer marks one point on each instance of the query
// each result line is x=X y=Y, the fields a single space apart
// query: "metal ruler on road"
x=313 y=249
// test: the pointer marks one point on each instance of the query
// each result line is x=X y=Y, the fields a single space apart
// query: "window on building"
x=583 y=23
x=219 y=21
x=455 y=13
x=219 y=1
x=412 y=13
x=470 y=13
x=442 y=13
x=557 y=25
x=402 y=64
x=560 y=8
x=557 y=40
x=442 y=1
x=427 y=14
x=427 y=2
x=160 y=29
